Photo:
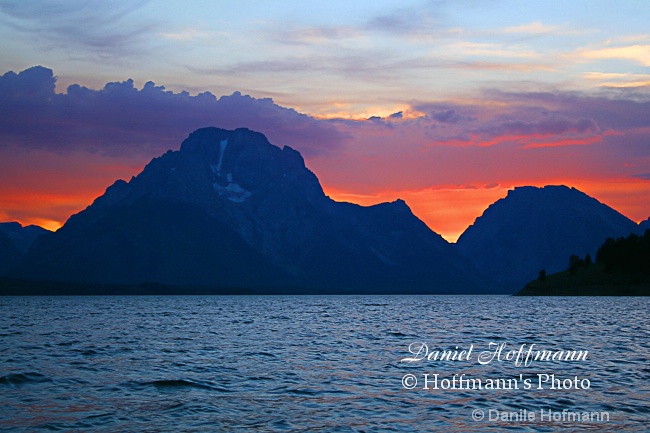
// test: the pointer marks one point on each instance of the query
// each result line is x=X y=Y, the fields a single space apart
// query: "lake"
x=324 y=363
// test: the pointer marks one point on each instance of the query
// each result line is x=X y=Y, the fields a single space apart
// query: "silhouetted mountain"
x=539 y=228
x=621 y=269
x=9 y=254
x=229 y=209
x=15 y=240
x=644 y=225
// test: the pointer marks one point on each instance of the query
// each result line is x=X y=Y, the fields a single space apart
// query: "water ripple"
x=313 y=363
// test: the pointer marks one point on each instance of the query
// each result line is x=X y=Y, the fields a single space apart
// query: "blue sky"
x=352 y=58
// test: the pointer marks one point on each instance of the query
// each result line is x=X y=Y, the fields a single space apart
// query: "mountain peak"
x=204 y=139
x=548 y=191
x=401 y=206
x=536 y=228
x=216 y=166
x=230 y=209
x=15 y=240
x=21 y=236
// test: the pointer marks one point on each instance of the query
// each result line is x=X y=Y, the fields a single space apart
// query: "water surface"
x=317 y=363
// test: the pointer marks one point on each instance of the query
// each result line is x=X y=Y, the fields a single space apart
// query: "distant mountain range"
x=231 y=213
x=620 y=268
x=15 y=240
x=534 y=229
x=644 y=225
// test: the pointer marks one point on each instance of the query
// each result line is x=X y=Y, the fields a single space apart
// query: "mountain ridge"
x=248 y=214
x=534 y=229
x=254 y=217
x=644 y=225
x=15 y=240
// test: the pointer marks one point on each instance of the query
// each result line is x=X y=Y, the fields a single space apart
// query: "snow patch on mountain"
x=232 y=191
x=222 y=149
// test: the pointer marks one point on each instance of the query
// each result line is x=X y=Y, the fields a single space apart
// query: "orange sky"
x=448 y=159
x=444 y=104
x=449 y=211
x=43 y=188
x=446 y=211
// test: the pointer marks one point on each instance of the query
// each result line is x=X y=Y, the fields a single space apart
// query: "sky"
x=445 y=104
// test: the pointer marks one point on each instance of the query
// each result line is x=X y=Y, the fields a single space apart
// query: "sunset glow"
x=446 y=105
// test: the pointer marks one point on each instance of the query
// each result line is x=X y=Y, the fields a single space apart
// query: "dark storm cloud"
x=121 y=119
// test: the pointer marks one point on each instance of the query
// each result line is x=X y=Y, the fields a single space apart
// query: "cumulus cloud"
x=120 y=118
x=428 y=143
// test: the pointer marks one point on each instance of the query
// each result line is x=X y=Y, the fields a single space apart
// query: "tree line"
x=630 y=255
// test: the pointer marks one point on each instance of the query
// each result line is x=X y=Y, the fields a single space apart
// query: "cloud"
x=515 y=121
x=190 y=34
x=442 y=113
x=494 y=50
x=550 y=131
x=405 y=21
x=538 y=28
x=618 y=80
x=120 y=118
x=550 y=126
x=360 y=67
x=315 y=35
x=485 y=143
x=636 y=53
x=101 y=29
x=415 y=24
x=618 y=110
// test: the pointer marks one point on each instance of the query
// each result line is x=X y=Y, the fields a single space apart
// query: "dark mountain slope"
x=15 y=240
x=539 y=228
x=229 y=209
x=644 y=225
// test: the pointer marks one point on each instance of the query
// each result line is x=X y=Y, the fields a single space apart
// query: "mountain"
x=9 y=253
x=231 y=212
x=15 y=240
x=621 y=269
x=539 y=228
x=644 y=225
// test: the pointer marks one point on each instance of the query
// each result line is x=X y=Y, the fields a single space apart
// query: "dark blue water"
x=317 y=363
